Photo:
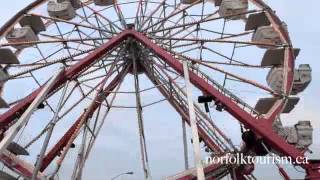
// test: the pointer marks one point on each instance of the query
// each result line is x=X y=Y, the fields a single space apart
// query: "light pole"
x=128 y=173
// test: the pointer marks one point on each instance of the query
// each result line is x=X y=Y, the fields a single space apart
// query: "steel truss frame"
x=261 y=126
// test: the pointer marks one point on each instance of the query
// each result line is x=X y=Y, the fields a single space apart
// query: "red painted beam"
x=71 y=73
x=96 y=103
x=260 y=126
x=18 y=165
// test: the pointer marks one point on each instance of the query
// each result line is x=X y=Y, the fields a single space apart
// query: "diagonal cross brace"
x=184 y=113
x=65 y=138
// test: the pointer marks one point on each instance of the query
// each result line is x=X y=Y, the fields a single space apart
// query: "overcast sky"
x=114 y=155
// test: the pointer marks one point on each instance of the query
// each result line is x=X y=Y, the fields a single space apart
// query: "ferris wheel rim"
x=271 y=15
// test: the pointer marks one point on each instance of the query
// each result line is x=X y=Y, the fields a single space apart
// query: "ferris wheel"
x=63 y=63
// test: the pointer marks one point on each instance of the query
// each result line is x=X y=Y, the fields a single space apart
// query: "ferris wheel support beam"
x=142 y=138
x=185 y=144
x=193 y=124
x=260 y=126
x=65 y=138
x=70 y=74
x=200 y=83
